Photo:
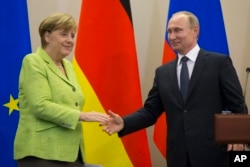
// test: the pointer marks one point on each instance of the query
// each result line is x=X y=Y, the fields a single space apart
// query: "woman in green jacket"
x=50 y=98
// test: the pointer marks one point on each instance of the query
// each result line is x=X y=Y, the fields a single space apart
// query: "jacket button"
x=185 y=111
x=187 y=130
x=76 y=104
x=73 y=89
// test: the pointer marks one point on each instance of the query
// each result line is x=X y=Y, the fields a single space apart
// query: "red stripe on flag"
x=106 y=53
x=168 y=54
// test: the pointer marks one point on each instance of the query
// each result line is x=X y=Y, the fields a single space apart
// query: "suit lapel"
x=199 y=67
x=55 y=69
x=172 y=75
x=68 y=71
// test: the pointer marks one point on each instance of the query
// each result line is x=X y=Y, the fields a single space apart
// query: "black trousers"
x=31 y=161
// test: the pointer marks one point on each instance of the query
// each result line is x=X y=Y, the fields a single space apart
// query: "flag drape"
x=106 y=66
x=212 y=37
x=14 y=45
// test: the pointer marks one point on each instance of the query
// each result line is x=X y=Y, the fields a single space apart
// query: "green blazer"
x=50 y=105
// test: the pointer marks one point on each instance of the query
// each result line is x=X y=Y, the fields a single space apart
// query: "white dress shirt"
x=192 y=55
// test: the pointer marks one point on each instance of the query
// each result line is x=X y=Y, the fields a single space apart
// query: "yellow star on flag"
x=12 y=104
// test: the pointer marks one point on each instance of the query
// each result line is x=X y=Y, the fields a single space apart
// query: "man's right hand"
x=114 y=124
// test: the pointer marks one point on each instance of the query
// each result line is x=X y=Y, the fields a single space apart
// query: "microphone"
x=248 y=69
x=245 y=89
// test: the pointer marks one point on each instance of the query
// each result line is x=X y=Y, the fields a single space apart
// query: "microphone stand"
x=244 y=95
x=247 y=71
x=245 y=90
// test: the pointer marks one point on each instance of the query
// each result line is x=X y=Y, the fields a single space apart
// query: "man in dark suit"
x=211 y=86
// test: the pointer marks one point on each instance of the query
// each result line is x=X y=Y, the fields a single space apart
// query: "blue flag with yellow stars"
x=14 y=45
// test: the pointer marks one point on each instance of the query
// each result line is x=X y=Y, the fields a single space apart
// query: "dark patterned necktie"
x=184 y=77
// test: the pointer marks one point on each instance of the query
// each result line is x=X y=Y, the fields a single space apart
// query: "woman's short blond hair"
x=56 y=21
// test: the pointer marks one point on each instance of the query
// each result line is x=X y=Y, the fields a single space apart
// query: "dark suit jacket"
x=213 y=87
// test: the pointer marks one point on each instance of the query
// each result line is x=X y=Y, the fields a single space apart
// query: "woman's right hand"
x=94 y=116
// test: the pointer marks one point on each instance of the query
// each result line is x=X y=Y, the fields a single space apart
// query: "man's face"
x=181 y=35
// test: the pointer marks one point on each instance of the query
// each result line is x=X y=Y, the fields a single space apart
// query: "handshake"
x=111 y=123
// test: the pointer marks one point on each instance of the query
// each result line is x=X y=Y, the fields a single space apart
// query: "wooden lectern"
x=232 y=128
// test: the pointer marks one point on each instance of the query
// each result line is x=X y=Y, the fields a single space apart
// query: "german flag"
x=106 y=65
